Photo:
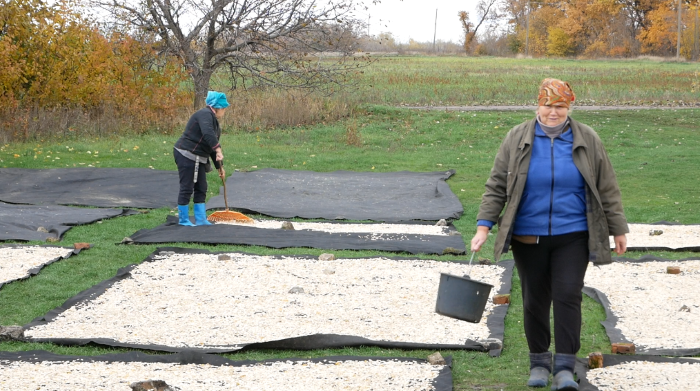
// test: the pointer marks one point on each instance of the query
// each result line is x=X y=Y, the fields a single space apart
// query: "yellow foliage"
x=50 y=57
x=660 y=36
x=559 y=43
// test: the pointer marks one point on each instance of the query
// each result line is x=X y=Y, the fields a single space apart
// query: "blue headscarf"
x=216 y=100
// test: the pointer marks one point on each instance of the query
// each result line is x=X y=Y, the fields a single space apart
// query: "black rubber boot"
x=564 y=372
x=540 y=368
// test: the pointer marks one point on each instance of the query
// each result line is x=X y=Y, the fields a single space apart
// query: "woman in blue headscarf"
x=198 y=143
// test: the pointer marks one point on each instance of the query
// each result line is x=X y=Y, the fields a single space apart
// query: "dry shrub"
x=352 y=134
x=661 y=59
x=50 y=123
x=266 y=109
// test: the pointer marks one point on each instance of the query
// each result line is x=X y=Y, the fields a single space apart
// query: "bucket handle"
x=470 y=265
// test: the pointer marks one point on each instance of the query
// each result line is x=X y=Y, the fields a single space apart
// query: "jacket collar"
x=529 y=134
x=578 y=137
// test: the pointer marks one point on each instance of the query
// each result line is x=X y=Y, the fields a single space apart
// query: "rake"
x=228 y=215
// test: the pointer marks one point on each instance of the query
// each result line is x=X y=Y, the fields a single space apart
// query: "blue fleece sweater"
x=554 y=198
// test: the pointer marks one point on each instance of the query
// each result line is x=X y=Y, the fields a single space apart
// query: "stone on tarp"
x=224 y=257
x=436 y=359
x=441 y=223
x=152 y=385
x=623 y=348
x=80 y=245
x=287 y=225
x=595 y=360
x=296 y=289
x=501 y=299
x=326 y=257
x=673 y=270
x=11 y=333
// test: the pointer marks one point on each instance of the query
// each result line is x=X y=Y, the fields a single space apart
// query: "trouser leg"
x=570 y=261
x=532 y=262
x=186 y=169
x=552 y=270
x=200 y=187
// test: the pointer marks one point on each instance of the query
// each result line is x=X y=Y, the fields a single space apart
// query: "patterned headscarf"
x=554 y=92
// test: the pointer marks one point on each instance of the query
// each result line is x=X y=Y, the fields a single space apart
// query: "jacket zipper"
x=551 y=190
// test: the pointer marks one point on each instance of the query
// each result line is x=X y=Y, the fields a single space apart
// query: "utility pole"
x=695 y=36
x=435 y=30
x=527 y=30
x=678 y=44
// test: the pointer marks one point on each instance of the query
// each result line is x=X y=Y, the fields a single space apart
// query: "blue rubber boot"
x=564 y=373
x=540 y=368
x=183 y=212
x=200 y=215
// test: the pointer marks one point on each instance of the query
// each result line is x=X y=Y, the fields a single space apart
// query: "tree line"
x=145 y=60
x=567 y=28
x=591 y=28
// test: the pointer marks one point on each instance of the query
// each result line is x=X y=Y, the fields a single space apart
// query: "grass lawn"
x=655 y=154
x=420 y=80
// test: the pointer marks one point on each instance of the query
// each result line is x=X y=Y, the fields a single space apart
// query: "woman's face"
x=552 y=115
x=219 y=113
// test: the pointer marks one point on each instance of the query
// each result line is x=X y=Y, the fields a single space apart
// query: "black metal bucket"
x=462 y=298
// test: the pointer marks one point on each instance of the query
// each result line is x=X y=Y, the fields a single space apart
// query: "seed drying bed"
x=634 y=373
x=375 y=229
x=662 y=236
x=39 y=370
x=657 y=311
x=18 y=262
x=185 y=299
x=415 y=238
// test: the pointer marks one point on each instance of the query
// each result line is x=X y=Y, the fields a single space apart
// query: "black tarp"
x=342 y=195
x=24 y=222
x=35 y=270
x=443 y=382
x=612 y=360
x=90 y=186
x=494 y=321
x=610 y=322
x=171 y=232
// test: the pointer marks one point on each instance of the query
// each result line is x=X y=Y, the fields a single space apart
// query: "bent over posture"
x=198 y=143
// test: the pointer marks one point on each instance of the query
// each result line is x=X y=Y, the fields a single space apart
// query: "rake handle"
x=224 y=182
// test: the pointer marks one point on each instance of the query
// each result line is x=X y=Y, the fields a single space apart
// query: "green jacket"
x=505 y=186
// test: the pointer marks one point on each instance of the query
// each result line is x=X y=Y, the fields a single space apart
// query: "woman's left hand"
x=620 y=244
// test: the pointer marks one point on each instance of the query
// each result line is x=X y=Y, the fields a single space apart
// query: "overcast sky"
x=416 y=19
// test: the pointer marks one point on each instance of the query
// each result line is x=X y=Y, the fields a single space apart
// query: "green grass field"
x=498 y=81
x=655 y=154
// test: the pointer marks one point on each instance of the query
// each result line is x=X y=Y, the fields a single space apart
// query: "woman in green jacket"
x=556 y=187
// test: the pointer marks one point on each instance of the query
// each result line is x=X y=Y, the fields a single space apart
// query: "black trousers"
x=552 y=271
x=185 y=167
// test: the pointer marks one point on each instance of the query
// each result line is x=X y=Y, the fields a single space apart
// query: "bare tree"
x=260 y=42
x=486 y=12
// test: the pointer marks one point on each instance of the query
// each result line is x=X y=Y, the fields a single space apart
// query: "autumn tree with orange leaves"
x=53 y=59
x=601 y=28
